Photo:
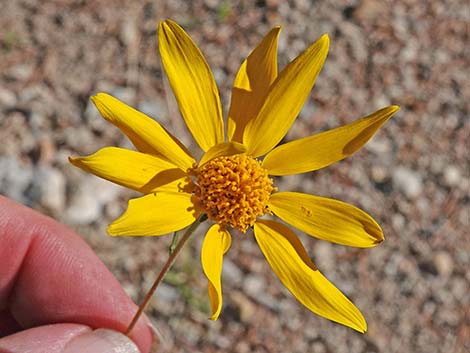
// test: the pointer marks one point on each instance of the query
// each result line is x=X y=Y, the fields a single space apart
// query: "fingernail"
x=101 y=341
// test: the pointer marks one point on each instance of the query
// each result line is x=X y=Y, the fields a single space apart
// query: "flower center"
x=233 y=190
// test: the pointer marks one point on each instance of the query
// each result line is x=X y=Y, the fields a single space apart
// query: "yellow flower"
x=230 y=184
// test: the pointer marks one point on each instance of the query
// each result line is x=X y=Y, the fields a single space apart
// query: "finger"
x=8 y=324
x=48 y=274
x=42 y=339
x=67 y=338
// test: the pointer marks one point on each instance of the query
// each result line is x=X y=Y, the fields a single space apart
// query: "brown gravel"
x=413 y=177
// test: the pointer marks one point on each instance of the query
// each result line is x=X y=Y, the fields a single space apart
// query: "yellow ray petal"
x=192 y=83
x=251 y=84
x=285 y=98
x=135 y=170
x=145 y=133
x=222 y=149
x=216 y=243
x=321 y=150
x=327 y=219
x=286 y=255
x=155 y=214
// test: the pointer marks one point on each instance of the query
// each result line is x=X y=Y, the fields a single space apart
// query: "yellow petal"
x=155 y=214
x=286 y=256
x=193 y=84
x=135 y=170
x=321 y=150
x=327 y=219
x=146 y=134
x=251 y=84
x=284 y=100
x=216 y=243
x=222 y=149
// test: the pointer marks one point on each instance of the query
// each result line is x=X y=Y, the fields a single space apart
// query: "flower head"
x=231 y=183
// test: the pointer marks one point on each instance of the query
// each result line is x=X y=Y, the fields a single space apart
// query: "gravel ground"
x=413 y=177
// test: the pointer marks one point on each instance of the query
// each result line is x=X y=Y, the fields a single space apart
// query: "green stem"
x=173 y=242
x=166 y=267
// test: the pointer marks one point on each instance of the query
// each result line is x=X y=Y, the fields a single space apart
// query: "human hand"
x=56 y=296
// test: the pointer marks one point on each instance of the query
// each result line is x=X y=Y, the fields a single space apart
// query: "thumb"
x=67 y=338
x=101 y=341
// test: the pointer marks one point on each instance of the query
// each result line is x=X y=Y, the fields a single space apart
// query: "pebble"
x=7 y=98
x=231 y=272
x=398 y=221
x=79 y=138
x=254 y=285
x=15 y=177
x=91 y=113
x=379 y=146
x=21 y=72
x=369 y=10
x=129 y=32
x=407 y=181
x=125 y=94
x=379 y=173
x=212 y=4
x=444 y=263
x=166 y=293
x=88 y=201
x=156 y=109
x=84 y=209
x=50 y=183
x=245 y=306
x=452 y=175
x=324 y=256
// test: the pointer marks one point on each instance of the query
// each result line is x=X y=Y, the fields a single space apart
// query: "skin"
x=53 y=288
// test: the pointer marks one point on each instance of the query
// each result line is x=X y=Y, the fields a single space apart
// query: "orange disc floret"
x=233 y=190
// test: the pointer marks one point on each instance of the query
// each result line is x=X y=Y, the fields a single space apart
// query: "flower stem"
x=171 y=259
x=174 y=241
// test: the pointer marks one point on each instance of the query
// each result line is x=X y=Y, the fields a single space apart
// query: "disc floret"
x=233 y=190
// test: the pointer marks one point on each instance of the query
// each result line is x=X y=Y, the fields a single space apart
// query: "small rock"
x=380 y=146
x=407 y=181
x=245 y=306
x=254 y=285
x=398 y=222
x=355 y=37
x=452 y=176
x=166 y=293
x=87 y=203
x=129 y=32
x=379 y=173
x=324 y=256
x=50 y=184
x=125 y=94
x=156 y=109
x=212 y=4
x=91 y=112
x=7 y=98
x=84 y=209
x=444 y=263
x=113 y=210
x=78 y=138
x=15 y=178
x=231 y=272
x=21 y=72
x=219 y=76
x=369 y=10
